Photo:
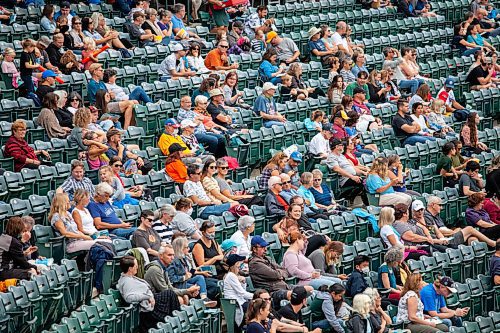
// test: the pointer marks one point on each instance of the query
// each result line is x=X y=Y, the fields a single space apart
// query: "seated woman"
x=48 y=120
x=207 y=252
x=110 y=37
x=64 y=224
x=336 y=90
x=81 y=215
x=327 y=259
x=120 y=197
x=257 y=317
x=469 y=138
x=315 y=122
x=183 y=222
x=47 y=21
x=476 y=216
x=379 y=182
x=233 y=96
x=17 y=147
x=377 y=90
x=146 y=237
x=474 y=37
x=411 y=308
x=359 y=321
x=352 y=151
x=153 y=307
x=386 y=276
x=306 y=181
x=293 y=220
x=299 y=266
x=268 y=70
x=95 y=151
x=210 y=183
x=124 y=108
x=295 y=71
x=14 y=263
x=274 y=167
x=174 y=167
x=379 y=319
x=235 y=287
x=396 y=171
x=136 y=95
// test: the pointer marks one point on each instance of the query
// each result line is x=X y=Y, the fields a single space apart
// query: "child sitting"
x=89 y=47
x=435 y=117
x=287 y=93
x=315 y=122
x=259 y=43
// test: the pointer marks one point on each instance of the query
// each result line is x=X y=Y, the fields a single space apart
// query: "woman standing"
x=64 y=224
x=327 y=258
x=274 y=167
x=48 y=120
x=268 y=70
x=207 y=251
x=411 y=308
x=469 y=138
x=235 y=286
x=301 y=267
x=379 y=182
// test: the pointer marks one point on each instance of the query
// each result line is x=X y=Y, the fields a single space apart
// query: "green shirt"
x=350 y=89
x=444 y=163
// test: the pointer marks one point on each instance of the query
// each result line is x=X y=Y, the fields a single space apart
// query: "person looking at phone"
x=433 y=297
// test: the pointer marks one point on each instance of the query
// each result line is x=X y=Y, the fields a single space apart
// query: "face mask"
x=176 y=131
x=189 y=211
x=366 y=270
x=210 y=236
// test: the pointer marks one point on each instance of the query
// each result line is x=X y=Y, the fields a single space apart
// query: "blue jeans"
x=28 y=83
x=323 y=280
x=123 y=233
x=409 y=84
x=471 y=51
x=412 y=140
x=216 y=143
x=140 y=95
x=270 y=123
x=198 y=280
x=214 y=210
x=323 y=324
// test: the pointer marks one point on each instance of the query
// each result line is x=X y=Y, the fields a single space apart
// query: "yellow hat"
x=270 y=36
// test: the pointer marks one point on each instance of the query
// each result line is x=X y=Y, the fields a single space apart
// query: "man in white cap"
x=188 y=137
x=265 y=106
x=173 y=66
x=317 y=46
x=418 y=219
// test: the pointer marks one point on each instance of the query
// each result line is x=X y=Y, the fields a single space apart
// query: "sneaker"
x=210 y=304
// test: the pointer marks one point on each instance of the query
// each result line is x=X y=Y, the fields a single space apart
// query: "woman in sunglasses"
x=195 y=60
x=207 y=252
x=146 y=237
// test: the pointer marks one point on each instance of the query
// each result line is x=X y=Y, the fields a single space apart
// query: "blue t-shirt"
x=264 y=104
x=317 y=45
x=266 y=69
x=105 y=211
x=478 y=39
x=374 y=182
x=324 y=198
x=431 y=300
x=93 y=87
x=177 y=23
x=306 y=194
x=392 y=278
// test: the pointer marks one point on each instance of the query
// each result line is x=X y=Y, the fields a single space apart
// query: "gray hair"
x=433 y=200
x=178 y=245
x=394 y=254
x=167 y=209
x=372 y=293
x=245 y=222
x=163 y=248
x=103 y=188
x=28 y=221
x=200 y=99
x=317 y=172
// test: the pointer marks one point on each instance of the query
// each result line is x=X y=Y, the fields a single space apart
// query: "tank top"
x=209 y=253
x=87 y=221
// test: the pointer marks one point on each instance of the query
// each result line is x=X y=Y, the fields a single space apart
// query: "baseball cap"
x=342 y=114
x=296 y=156
x=328 y=127
x=65 y=4
x=233 y=259
x=187 y=123
x=237 y=24
x=48 y=73
x=174 y=147
x=358 y=90
x=176 y=47
x=448 y=283
x=335 y=142
x=172 y=122
x=270 y=36
x=299 y=294
x=259 y=241
x=449 y=83
x=417 y=205
x=268 y=85
x=228 y=244
x=44 y=41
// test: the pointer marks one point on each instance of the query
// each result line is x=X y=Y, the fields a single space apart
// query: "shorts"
x=221 y=18
x=456 y=239
x=114 y=107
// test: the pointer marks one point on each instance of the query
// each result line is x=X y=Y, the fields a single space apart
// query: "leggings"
x=79 y=245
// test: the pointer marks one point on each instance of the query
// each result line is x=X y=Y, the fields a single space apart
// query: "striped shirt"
x=164 y=230
x=70 y=185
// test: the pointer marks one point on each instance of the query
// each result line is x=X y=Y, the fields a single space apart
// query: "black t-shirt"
x=476 y=73
x=54 y=55
x=288 y=313
x=43 y=90
x=455 y=43
x=214 y=111
x=26 y=58
x=398 y=122
x=64 y=117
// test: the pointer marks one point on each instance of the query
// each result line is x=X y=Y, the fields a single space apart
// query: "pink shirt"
x=298 y=266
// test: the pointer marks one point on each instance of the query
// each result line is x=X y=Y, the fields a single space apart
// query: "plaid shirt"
x=70 y=185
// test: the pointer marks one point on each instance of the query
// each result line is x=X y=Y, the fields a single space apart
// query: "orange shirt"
x=177 y=171
x=213 y=59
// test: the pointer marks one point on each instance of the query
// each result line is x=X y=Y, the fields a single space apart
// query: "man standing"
x=406 y=128
x=286 y=48
x=173 y=66
x=218 y=59
x=265 y=107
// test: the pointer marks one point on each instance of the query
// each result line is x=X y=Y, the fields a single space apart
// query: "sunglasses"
x=212 y=167
x=75 y=100
x=197 y=173
x=223 y=168
x=77 y=23
x=317 y=179
x=195 y=49
x=287 y=182
x=224 y=46
x=117 y=165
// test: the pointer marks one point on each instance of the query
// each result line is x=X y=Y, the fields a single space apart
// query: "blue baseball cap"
x=172 y=122
x=48 y=73
x=228 y=244
x=449 y=83
x=296 y=156
x=259 y=241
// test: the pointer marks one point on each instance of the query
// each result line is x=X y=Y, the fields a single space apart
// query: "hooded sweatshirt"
x=329 y=311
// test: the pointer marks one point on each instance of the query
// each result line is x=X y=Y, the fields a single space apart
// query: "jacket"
x=329 y=312
x=135 y=290
x=356 y=283
x=266 y=274
x=273 y=207
x=157 y=277
x=357 y=324
x=176 y=272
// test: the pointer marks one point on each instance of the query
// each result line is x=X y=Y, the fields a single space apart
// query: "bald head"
x=341 y=27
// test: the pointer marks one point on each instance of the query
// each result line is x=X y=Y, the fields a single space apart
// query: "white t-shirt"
x=87 y=221
x=319 y=145
x=244 y=244
x=339 y=40
x=385 y=232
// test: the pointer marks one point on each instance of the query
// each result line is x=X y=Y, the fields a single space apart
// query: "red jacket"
x=20 y=151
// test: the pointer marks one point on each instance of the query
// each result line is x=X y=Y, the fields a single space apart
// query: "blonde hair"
x=59 y=205
x=27 y=43
x=18 y=124
x=380 y=167
x=82 y=118
x=89 y=43
x=436 y=105
x=386 y=216
x=80 y=194
x=61 y=94
x=6 y=52
x=362 y=304
x=286 y=78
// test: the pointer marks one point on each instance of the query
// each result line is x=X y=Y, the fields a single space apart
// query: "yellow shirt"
x=167 y=139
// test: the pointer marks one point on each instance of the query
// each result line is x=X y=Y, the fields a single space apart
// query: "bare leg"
x=470 y=231
x=117 y=43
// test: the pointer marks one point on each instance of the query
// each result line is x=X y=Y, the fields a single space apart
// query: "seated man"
x=274 y=202
x=495 y=265
x=218 y=59
x=138 y=94
x=174 y=66
x=104 y=214
x=193 y=189
x=406 y=128
x=481 y=76
x=459 y=235
x=320 y=143
x=169 y=136
x=448 y=97
x=317 y=47
x=145 y=38
x=351 y=183
x=265 y=107
x=155 y=273
x=361 y=82
x=285 y=47
x=470 y=182
x=76 y=181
